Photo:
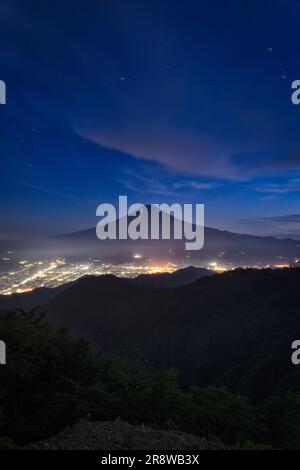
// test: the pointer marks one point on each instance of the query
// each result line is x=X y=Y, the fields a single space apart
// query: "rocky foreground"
x=119 y=435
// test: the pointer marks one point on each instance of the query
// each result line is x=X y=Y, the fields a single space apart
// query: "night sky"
x=165 y=101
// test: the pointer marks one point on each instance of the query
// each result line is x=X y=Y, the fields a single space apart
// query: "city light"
x=25 y=275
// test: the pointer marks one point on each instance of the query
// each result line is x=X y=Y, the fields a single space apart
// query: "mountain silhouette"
x=233 y=329
x=221 y=246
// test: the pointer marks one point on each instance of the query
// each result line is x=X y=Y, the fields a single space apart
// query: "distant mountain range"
x=233 y=329
x=220 y=246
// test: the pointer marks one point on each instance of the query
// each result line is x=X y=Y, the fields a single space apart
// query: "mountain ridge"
x=233 y=329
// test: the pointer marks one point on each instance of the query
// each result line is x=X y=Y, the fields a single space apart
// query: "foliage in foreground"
x=53 y=379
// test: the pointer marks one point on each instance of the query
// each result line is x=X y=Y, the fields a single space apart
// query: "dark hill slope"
x=42 y=295
x=178 y=278
x=232 y=329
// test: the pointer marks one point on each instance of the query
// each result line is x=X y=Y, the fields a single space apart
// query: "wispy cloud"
x=157 y=182
x=286 y=225
x=45 y=190
x=181 y=151
x=278 y=219
x=140 y=183
x=195 y=185
x=277 y=188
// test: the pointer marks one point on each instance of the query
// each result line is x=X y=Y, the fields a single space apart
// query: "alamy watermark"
x=154 y=221
x=295 y=358
x=2 y=352
x=296 y=94
x=2 y=92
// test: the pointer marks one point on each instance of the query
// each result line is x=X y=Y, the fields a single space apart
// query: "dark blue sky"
x=165 y=101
